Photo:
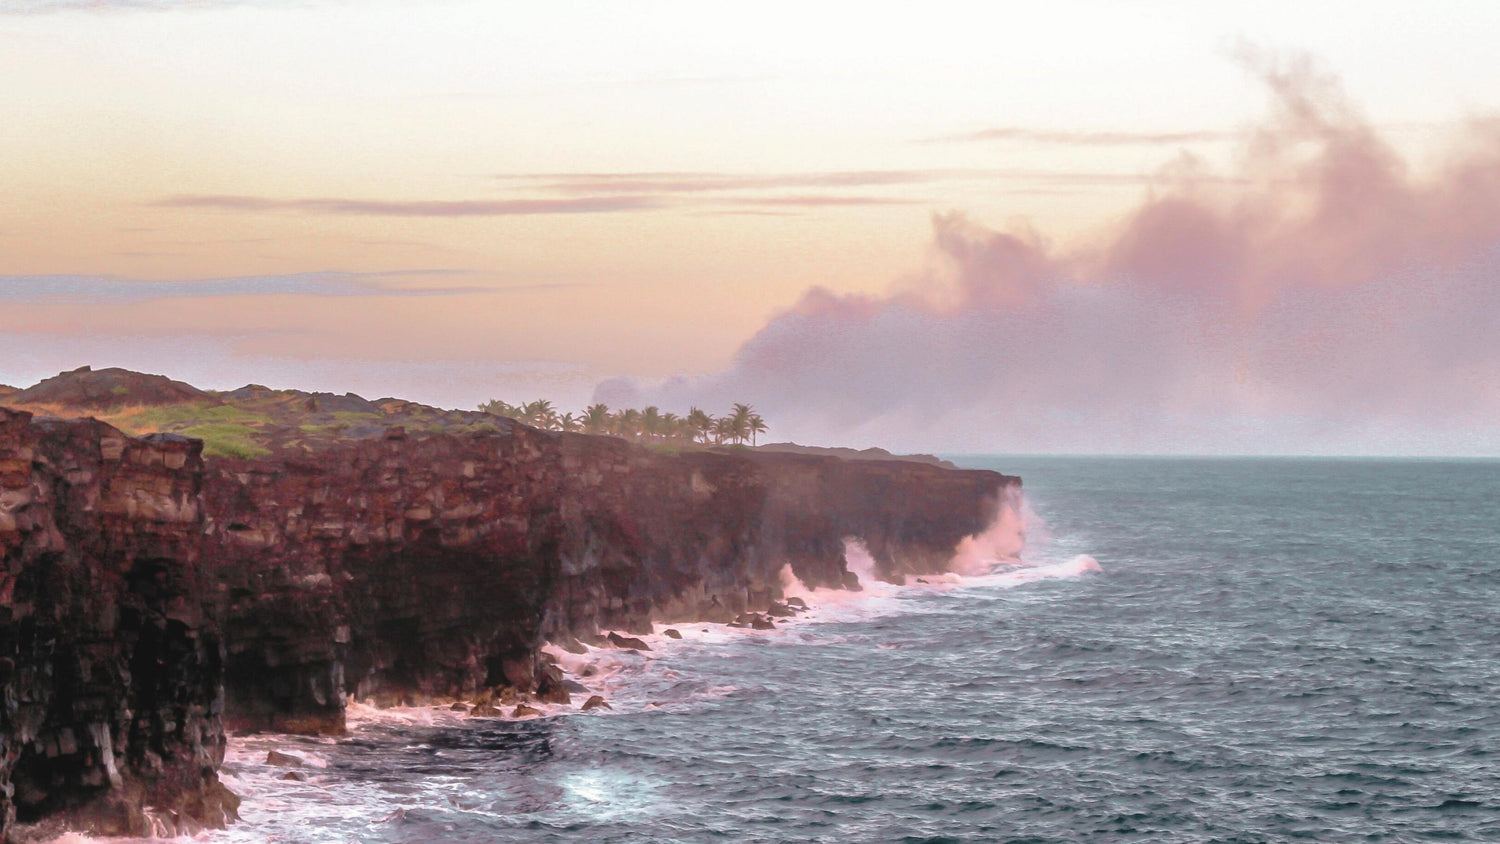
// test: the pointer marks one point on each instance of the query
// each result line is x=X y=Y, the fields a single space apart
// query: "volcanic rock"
x=283 y=760
x=522 y=711
x=595 y=702
x=627 y=642
x=671 y=634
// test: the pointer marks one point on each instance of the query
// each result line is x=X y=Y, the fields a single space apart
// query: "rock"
x=627 y=642
x=407 y=557
x=571 y=645
x=484 y=710
x=554 y=692
x=779 y=610
x=459 y=707
x=760 y=622
x=671 y=634
x=283 y=760
x=523 y=711
x=796 y=602
x=292 y=776
x=595 y=702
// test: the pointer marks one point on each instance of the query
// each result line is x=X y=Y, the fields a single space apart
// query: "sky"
x=1143 y=226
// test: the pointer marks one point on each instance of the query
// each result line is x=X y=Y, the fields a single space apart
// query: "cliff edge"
x=332 y=548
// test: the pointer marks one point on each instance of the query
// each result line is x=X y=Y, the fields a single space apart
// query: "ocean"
x=1233 y=650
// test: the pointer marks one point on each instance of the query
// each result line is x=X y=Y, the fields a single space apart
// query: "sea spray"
x=1003 y=541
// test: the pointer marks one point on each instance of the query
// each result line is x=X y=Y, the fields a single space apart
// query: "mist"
x=1326 y=296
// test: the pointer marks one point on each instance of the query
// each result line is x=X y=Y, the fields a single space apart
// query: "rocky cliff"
x=109 y=669
x=406 y=569
x=149 y=597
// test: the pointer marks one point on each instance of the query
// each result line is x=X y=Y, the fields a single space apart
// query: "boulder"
x=671 y=634
x=292 y=776
x=283 y=760
x=596 y=702
x=797 y=603
x=522 y=711
x=484 y=710
x=779 y=610
x=760 y=622
x=627 y=642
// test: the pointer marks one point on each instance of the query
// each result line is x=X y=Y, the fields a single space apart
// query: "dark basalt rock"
x=671 y=634
x=283 y=760
x=110 y=669
x=627 y=642
x=147 y=597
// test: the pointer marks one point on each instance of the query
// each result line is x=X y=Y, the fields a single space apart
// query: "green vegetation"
x=648 y=425
x=226 y=439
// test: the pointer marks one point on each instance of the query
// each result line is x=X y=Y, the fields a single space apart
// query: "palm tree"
x=670 y=426
x=628 y=422
x=701 y=423
x=500 y=408
x=740 y=421
x=539 y=414
x=651 y=422
x=569 y=422
x=757 y=426
x=723 y=430
x=596 y=418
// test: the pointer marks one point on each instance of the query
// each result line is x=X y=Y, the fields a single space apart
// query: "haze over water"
x=1274 y=650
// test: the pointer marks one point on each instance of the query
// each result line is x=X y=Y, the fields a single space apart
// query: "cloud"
x=42 y=7
x=414 y=208
x=75 y=289
x=1085 y=138
x=663 y=185
x=1337 y=302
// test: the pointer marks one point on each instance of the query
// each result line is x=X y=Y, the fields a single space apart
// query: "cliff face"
x=405 y=569
x=148 y=598
x=109 y=669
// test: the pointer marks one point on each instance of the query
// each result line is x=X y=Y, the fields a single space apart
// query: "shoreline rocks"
x=149 y=598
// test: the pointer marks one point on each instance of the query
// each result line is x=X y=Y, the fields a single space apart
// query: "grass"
x=174 y=417
x=226 y=439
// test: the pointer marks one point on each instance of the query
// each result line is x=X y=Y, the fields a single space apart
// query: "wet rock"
x=459 y=707
x=283 y=760
x=797 y=603
x=523 y=711
x=779 y=610
x=484 y=710
x=595 y=702
x=760 y=622
x=671 y=634
x=552 y=688
x=627 y=642
x=293 y=776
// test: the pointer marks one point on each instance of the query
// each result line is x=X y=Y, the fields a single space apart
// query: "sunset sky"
x=1125 y=227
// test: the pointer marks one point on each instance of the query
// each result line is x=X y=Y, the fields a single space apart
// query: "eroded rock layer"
x=109 y=668
x=148 y=598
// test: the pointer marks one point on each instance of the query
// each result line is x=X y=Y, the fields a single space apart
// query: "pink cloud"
x=1338 y=301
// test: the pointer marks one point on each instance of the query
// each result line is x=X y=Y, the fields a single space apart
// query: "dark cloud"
x=416 y=208
x=1335 y=303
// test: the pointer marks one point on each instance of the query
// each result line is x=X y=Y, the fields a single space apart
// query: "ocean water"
x=1267 y=650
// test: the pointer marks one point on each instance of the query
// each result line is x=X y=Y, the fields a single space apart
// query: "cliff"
x=109 y=669
x=144 y=584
